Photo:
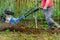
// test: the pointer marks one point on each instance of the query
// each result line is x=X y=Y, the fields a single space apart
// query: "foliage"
x=20 y=9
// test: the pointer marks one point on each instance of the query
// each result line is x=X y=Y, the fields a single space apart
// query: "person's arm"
x=47 y=2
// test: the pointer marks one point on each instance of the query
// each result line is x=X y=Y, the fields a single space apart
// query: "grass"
x=7 y=35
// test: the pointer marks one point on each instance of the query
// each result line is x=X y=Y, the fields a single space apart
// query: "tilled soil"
x=23 y=29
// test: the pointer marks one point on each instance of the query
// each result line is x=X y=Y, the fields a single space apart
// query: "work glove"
x=45 y=9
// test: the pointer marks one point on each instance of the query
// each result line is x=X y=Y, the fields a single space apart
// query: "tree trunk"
x=17 y=8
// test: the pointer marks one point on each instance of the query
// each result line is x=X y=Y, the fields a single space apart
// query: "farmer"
x=48 y=6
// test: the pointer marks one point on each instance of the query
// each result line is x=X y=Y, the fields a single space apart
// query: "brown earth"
x=22 y=28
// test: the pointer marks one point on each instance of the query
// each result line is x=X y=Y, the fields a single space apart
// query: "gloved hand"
x=44 y=8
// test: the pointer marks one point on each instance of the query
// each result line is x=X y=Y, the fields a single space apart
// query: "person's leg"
x=48 y=19
x=48 y=15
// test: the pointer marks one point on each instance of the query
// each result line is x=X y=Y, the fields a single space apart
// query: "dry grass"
x=6 y=35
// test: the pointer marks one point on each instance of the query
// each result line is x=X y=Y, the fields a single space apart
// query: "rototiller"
x=9 y=19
